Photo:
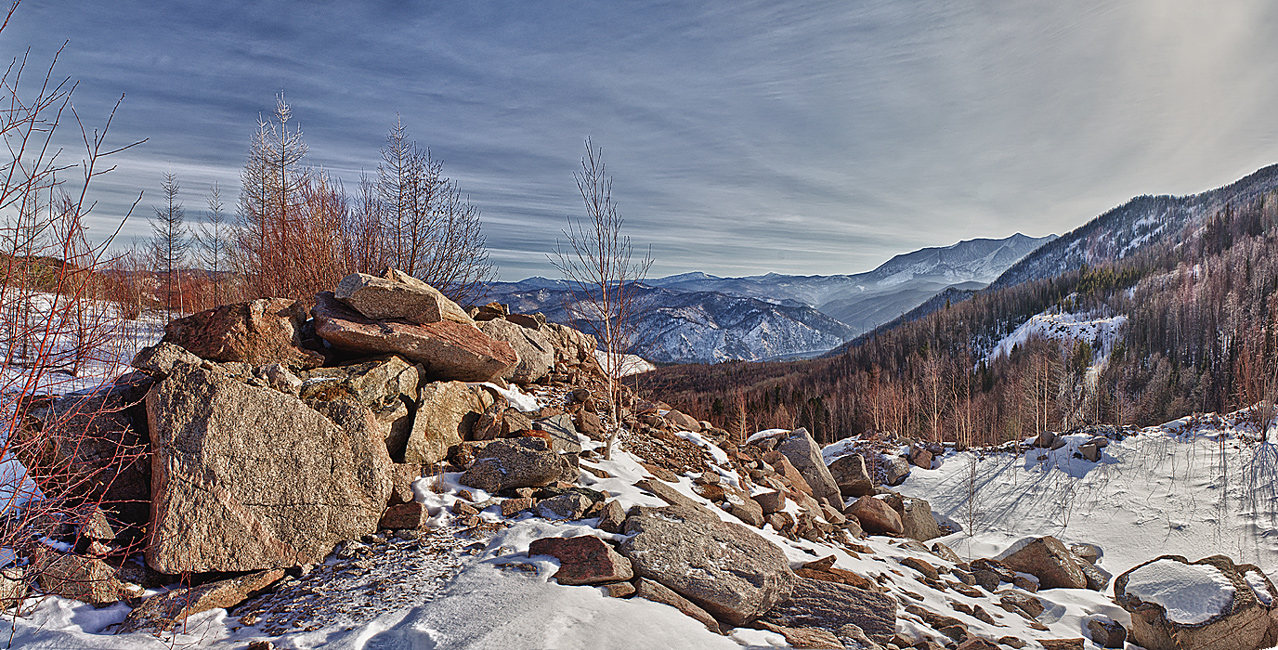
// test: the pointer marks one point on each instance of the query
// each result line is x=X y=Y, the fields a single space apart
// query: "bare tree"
x=270 y=193
x=602 y=273
x=170 y=244
x=214 y=239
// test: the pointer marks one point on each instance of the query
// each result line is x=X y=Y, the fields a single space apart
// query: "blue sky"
x=744 y=137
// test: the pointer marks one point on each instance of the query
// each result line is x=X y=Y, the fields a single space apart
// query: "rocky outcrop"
x=448 y=349
x=397 y=295
x=388 y=386
x=804 y=454
x=247 y=478
x=831 y=605
x=513 y=463
x=255 y=332
x=535 y=350
x=1210 y=604
x=1047 y=559
x=724 y=568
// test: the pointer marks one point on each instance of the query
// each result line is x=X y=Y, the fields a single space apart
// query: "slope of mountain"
x=696 y=326
x=1141 y=222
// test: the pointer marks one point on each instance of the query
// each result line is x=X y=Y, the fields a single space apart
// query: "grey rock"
x=831 y=605
x=513 y=463
x=397 y=295
x=165 y=611
x=852 y=477
x=917 y=521
x=247 y=478
x=536 y=351
x=446 y=411
x=724 y=568
x=805 y=454
x=1047 y=559
x=570 y=505
x=658 y=593
x=158 y=360
x=563 y=434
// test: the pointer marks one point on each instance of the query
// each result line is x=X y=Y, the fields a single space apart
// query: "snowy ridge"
x=1065 y=328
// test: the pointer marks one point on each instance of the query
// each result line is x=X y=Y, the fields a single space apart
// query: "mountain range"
x=701 y=318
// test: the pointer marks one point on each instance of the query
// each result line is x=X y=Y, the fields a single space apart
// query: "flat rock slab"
x=658 y=593
x=397 y=295
x=448 y=349
x=513 y=463
x=247 y=478
x=536 y=350
x=165 y=611
x=831 y=605
x=585 y=560
x=724 y=568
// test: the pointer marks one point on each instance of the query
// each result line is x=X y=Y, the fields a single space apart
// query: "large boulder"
x=876 y=516
x=397 y=295
x=805 y=454
x=535 y=350
x=1047 y=559
x=585 y=560
x=247 y=478
x=831 y=605
x=257 y=332
x=446 y=411
x=448 y=349
x=570 y=345
x=513 y=463
x=1211 y=604
x=724 y=568
x=852 y=476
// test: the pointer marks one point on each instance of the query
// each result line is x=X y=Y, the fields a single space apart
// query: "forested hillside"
x=1194 y=317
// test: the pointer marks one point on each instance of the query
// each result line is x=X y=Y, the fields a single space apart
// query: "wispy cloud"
x=745 y=137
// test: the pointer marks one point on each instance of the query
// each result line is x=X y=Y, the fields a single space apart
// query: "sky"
x=743 y=137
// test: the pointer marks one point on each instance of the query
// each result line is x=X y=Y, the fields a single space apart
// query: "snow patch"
x=1190 y=593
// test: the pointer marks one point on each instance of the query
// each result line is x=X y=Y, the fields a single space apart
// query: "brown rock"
x=927 y=570
x=79 y=578
x=831 y=605
x=851 y=475
x=397 y=295
x=920 y=457
x=1106 y=632
x=876 y=516
x=770 y=502
x=618 y=589
x=257 y=332
x=165 y=611
x=513 y=463
x=803 y=637
x=589 y=423
x=656 y=592
x=1048 y=560
x=585 y=560
x=514 y=506
x=404 y=515
x=805 y=454
x=612 y=517
x=917 y=521
x=238 y=473
x=1063 y=644
x=448 y=349
x=682 y=421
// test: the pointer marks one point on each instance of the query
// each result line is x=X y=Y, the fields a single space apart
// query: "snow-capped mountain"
x=1128 y=228
x=697 y=326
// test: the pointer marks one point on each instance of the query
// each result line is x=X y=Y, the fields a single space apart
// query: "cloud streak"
x=745 y=137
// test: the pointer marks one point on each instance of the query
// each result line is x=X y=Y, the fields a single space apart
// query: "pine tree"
x=170 y=242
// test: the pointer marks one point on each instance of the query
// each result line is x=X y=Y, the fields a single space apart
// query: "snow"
x=1190 y=593
x=1258 y=586
x=517 y=399
x=766 y=433
x=629 y=364
x=1065 y=328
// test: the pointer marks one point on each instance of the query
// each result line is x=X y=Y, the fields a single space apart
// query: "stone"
x=746 y=509
x=403 y=475
x=446 y=411
x=585 y=560
x=831 y=605
x=570 y=506
x=682 y=421
x=447 y=349
x=658 y=593
x=926 y=570
x=14 y=587
x=805 y=454
x=1019 y=601
x=531 y=321
x=388 y=386
x=158 y=360
x=513 y=421
x=895 y=469
x=397 y=295
x=165 y=611
x=1090 y=451
x=1089 y=553
x=851 y=475
x=404 y=516
x=1243 y=622
x=1097 y=578
x=618 y=589
x=876 y=516
x=590 y=424
x=513 y=463
x=85 y=579
x=668 y=494
x=917 y=521
x=535 y=350
x=612 y=517
x=514 y=506
x=724 y=568
x=257 y=332
x=570 y=345
x=1047 y=559
x=279 y=377
x=920 y=457
x=1106 y=632
x=803 y=637
x=770 y=502
x=562 y=434
x=247 y=478
x=1063 y=644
